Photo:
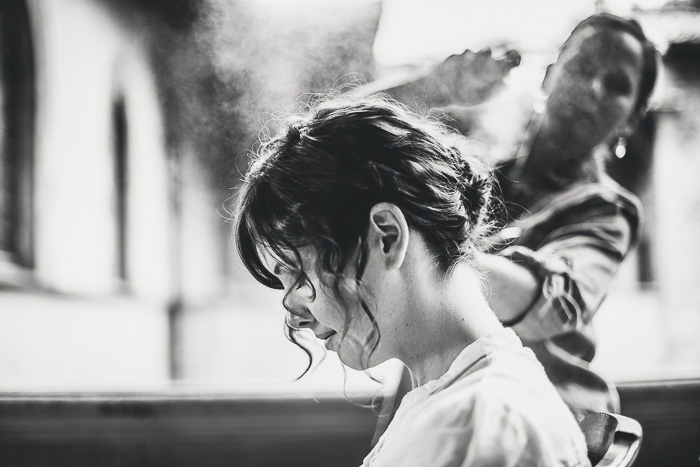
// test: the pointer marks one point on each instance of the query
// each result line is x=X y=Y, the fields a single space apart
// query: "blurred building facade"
x=87 y=278
x=124 y=126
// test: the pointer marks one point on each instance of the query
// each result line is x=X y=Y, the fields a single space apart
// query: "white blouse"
x=493 y=407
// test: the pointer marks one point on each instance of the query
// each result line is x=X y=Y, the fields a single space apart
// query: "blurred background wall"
x=89 y=253
x=134 y=125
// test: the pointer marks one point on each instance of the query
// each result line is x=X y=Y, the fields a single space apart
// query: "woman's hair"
x=313 y=185
x=649 y=52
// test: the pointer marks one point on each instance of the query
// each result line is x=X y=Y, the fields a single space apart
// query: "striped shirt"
x=573 y=242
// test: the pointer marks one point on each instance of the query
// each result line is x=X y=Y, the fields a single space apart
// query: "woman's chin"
x=359 y=364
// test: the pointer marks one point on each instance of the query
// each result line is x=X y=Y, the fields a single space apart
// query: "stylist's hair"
x=313 y=185
x=650 y=54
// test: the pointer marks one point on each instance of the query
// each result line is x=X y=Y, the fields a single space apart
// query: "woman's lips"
x=327 y=339
x=326 y=336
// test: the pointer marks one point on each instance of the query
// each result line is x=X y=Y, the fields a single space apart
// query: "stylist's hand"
x=472 y=77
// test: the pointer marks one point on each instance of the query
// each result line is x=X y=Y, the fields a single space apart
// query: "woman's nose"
x=598 y=86
x=299 y=319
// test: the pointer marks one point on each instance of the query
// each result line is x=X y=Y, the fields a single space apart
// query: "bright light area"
x=415 y=32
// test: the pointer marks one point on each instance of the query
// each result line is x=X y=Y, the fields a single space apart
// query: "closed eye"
x=300 y=279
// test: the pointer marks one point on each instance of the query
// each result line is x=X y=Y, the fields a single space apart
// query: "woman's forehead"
x=596 y=39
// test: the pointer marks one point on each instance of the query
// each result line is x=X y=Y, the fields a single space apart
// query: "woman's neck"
x=447 y=315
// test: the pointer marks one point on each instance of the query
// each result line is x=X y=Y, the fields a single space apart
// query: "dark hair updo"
x=315 y=183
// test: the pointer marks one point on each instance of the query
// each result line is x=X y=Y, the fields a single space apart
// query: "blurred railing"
x=213 y=430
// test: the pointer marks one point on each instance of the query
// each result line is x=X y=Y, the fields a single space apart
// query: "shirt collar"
x=470 y=356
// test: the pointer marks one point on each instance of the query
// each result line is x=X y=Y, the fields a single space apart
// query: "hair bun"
x=475 y=191
x=294 y=131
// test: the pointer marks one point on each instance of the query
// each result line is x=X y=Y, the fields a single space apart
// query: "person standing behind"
x=569 y=224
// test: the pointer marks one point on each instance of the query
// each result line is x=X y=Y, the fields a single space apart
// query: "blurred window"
x=119 y=124
x=16 y=132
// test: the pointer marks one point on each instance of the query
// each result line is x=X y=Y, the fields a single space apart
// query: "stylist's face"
x=593 y=86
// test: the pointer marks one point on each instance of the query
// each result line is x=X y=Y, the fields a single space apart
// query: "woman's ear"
x=388 y=234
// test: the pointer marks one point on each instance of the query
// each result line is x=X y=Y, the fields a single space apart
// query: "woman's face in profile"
x=324 y=314
x=594 y=85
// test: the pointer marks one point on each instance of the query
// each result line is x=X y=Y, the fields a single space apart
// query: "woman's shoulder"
x=535 y=408
x=502 y=406
x=514 y=397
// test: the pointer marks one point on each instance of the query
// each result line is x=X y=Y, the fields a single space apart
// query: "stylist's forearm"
x=512 y=286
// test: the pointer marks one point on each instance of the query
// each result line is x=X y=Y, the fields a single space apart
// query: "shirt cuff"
x=554 y=309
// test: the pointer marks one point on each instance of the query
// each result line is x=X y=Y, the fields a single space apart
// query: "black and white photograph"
x=375 y=233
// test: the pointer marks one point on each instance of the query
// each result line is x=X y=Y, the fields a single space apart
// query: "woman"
x=570 y=224
x=368 y=218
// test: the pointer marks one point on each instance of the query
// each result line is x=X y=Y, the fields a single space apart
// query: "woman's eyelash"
x=281 y=268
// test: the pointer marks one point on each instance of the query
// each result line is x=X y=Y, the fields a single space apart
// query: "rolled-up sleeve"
x=574 y=264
